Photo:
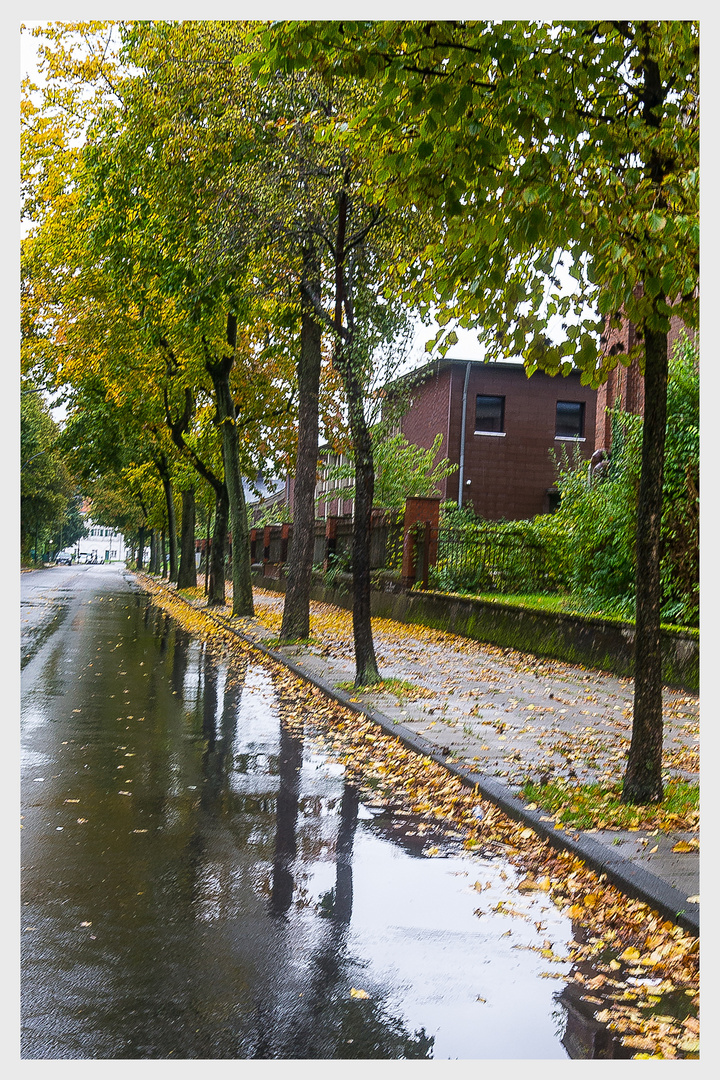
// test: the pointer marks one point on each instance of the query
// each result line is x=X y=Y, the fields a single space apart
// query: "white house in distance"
x=102 y=544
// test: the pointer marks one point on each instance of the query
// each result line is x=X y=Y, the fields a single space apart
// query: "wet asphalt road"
x=199 y=882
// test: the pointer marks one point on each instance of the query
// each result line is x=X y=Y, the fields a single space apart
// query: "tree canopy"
x=538 y=144
x=213 y=204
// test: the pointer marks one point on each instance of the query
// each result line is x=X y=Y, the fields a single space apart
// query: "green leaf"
x=656 y=222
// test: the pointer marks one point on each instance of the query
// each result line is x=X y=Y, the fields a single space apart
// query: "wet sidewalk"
x=498 y=718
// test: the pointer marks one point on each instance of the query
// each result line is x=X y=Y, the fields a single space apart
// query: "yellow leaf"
x=638 y=1042
x=631 y=953
x=651 y=959
x=683 y=846
x=358 y=993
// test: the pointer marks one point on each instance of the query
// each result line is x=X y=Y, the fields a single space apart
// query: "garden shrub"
x=592 y=535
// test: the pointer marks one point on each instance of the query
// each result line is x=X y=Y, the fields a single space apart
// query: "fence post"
x=407 y=578
x=284 y=542
x=426 y=528
x=426 y=512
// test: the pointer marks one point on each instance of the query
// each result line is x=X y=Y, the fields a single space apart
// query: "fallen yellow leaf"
x=358 y=993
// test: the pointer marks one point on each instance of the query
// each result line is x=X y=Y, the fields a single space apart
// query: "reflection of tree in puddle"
x=303 y=1006
x=332 y=1023
x=585 y=1037
x=290 y=764
x=645 y=1010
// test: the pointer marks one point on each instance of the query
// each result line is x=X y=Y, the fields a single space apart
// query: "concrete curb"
x=633 y=880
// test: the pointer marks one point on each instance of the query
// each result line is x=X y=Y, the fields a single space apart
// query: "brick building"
x=625 y=384
x=501 y=440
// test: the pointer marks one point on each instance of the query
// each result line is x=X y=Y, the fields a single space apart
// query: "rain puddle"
x=202 y=882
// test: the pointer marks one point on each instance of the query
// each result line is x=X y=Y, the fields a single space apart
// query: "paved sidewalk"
x=499 y=717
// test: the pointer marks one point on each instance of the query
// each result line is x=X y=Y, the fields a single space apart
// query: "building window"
x=489 y=415
x=570 y=420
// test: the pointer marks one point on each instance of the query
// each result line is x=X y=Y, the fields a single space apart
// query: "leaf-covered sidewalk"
x=503 y=713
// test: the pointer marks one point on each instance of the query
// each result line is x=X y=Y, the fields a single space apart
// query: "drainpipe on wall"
x=461 y=478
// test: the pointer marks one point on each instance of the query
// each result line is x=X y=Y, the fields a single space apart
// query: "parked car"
x=63 y=560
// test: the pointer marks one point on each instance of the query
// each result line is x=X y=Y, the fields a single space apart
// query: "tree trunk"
x=187 y=573
x=216 y=576
x=366 y=669
x=220 y=374
x=163 y=552
x=172 y=523
x=643 y=775
x=141 y=547
x=208 y=543
x=153 y=564
x=296 y=609
x=215 y=572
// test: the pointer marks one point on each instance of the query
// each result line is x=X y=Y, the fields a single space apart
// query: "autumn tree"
x=46 y=485
x=543 y=146
x=135 y=203
x=355 y=304
x=265 y=194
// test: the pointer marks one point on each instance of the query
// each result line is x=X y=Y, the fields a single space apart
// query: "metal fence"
x=477 y=558
x=486 y=558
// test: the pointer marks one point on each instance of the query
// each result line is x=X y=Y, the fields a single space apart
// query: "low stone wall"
x=600 y=643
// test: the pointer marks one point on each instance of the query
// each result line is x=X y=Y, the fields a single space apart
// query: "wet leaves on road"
x=641 y=969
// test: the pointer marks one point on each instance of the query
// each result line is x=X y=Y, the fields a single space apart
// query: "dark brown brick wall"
x=625 y=384
x=428 y=412
x=509 y=474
